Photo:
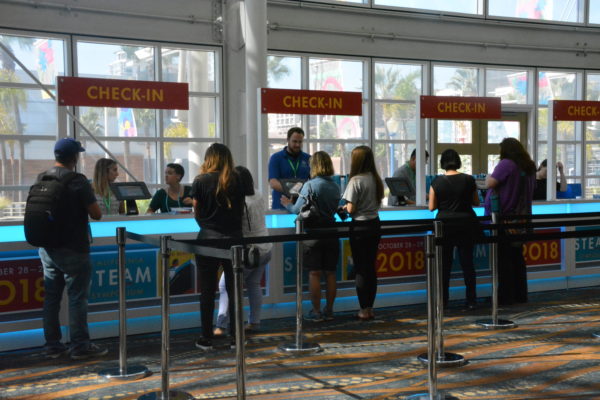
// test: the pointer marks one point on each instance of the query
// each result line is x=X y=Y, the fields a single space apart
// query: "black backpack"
x=47 y=211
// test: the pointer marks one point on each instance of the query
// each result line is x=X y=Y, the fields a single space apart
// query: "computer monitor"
x=398 y=186
x=130 y=190
x=291 y=187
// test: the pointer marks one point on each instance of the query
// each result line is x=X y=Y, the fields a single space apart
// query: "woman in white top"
x=253 y=224
x=105 y=173
x=363 y=197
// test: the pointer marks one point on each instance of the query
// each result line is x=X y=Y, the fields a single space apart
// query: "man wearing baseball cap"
x=69 y=264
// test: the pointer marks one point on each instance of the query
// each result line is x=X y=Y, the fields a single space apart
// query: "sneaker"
x=55 y=352
x=204 y=344
x=327 y=314
x=314 y=316
x=89 y=351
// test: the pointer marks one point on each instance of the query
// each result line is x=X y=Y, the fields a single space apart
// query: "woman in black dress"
x=454 y=195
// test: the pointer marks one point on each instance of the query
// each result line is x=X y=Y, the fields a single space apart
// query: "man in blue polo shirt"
x=289 y=163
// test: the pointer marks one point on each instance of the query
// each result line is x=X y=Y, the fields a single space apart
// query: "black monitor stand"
x=131 y=207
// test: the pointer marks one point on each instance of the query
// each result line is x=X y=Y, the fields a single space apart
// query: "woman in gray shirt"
x=363 y=197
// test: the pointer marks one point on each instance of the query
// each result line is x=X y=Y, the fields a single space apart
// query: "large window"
x=336 y=134
x=560 y=85
x=543 y=10
x=28 y=121
x=143 y=140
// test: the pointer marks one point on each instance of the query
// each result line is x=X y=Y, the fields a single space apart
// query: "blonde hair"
x=321 y=165
x=100 y=182
x=218 y=159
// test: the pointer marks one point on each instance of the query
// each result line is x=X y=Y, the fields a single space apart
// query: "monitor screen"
x=291 y=187
x=130 y=190
x=398 y=186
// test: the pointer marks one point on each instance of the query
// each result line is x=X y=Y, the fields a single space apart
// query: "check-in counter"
x=552 y=264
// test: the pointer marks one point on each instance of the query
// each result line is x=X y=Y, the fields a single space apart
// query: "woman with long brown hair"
x=512 y=184
x=363 y=197
x=218 y=201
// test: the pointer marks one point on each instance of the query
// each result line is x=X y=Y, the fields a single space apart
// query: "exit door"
x=477 y=140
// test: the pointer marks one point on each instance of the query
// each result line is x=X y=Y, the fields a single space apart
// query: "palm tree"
x=15 y=98
x=276 y=69
x=465 y=82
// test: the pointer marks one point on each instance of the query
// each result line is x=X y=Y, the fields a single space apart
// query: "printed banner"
x=322 y=102
x=456 y=107
x=122 y=93
x=21 y=285
x=570 y=110
x=140 y=278
x=587 y=248
x=542 y=252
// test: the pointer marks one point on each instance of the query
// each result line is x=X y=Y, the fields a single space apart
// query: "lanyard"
x=167 y=201
x=294 y=167
x=106 y=200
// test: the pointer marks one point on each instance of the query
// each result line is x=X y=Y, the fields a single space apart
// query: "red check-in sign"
x=92 y=92
x=456 y=107
x=321 y=102
x=571 y=110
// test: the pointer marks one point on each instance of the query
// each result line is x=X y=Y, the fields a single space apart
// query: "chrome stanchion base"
x=426 y=396
x=133 y=372
x=302 y=349
x=502 y=324
x=596 y=335
x=449 y=360
x=173 y=395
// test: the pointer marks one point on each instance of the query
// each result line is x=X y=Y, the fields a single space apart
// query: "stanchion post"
x=443 y=358
x=165 y=393
x=494 y=322
x=431 y=327
x=299 y=346
x=238 y=273
x=123 y=372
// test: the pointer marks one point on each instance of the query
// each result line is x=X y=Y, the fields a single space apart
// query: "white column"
x=420 y=167
x=255 y=34
x=551 y=158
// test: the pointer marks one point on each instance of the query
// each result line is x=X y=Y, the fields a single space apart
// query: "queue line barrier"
x=207 y=247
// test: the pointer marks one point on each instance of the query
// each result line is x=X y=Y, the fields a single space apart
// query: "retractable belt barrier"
x=232 y=249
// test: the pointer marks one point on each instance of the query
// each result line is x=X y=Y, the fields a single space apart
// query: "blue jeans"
x=63 y=267
x=252 y=278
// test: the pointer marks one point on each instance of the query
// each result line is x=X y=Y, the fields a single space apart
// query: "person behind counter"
x=363 y=197
x=218 y=202
x=408 y=172
x=453 y=195
x=319 y=256
x=105 y=173
x=541 y=181
x=291 y=162
x=175 y=196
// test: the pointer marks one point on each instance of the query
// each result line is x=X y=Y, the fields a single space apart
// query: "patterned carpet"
x=550 y=355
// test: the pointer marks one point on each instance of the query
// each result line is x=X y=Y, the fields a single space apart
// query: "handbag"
x=251 y=253
x=309 y=212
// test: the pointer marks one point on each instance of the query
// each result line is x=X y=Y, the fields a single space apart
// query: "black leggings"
x=208 y=268
x=364 y=242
